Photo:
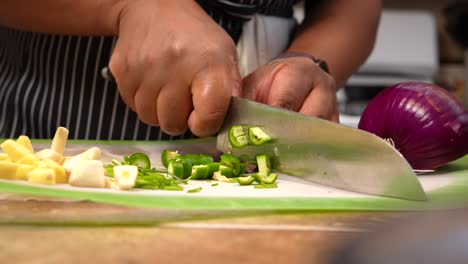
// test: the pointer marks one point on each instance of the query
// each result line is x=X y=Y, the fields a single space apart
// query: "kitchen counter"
x=29 y=234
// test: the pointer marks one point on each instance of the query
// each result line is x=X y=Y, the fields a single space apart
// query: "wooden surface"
x=164 y=236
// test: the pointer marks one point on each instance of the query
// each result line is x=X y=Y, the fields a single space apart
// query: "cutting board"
x=446 y=188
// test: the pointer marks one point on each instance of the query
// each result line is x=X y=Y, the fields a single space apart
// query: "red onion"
x=427 y=125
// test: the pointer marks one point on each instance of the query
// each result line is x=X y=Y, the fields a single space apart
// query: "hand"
x=174 y=66
x=296 y=84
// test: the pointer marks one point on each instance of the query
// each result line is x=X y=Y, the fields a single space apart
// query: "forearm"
x=342 y=32
x=81 y=17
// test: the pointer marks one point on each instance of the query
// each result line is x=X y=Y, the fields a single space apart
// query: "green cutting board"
x=445 y=188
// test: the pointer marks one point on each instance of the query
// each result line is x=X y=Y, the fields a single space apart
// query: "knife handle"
x=107 y=74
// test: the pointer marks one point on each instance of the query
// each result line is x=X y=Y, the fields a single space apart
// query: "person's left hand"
x=296 y=84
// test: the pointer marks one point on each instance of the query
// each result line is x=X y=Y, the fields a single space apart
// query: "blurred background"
x=418 y=40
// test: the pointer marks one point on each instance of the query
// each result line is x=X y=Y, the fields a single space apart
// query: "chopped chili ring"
x=270 y=179
x=266 y=186
x=140 y=160
x=168 y=155
x=257 y=136
x=238 y=137
x=173 y=188
x=225 y=171
x=196 y=190
x=176 y=168
x=245 y=180
x=199 y=172
x=235 y=163
x=198 y=159
x=264 y=164
x=212 y=168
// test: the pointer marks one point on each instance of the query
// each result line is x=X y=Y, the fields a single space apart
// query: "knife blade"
x=323 y=152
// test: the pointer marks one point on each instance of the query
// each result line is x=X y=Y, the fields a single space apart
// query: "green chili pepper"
x=212 y=168
x=237 y=166
x=199 y=172
x=215 y=184
x=140 y=160
x=229 y=160
x=168 y=155
x=196 y=190
x=187 y=165
x=257 y=136
x=238 y=137
x=266 y=186
x=109 y=170
x=176 y=168
x=225 y=171
x=242 y=168
x=270 y=178
x=197 y=159
x=174 y=188
x=264 y=164
x=245 y=180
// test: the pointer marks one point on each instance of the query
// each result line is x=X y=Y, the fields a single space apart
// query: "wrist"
x=292 y=54
x=116 y=10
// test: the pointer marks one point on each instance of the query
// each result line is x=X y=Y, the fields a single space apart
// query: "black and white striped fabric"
x=48 y=81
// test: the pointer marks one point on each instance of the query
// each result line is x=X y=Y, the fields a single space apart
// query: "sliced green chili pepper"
x=258 y=176
x=109 y=170
x=212 y=168
x=176 y=168
x=168 y=155
x=265 y=179
x=270 y=178
x=237 y=166
x=174 y=188
x=266 y=186
x=196 y=190
x=229 y=160
x=264 y=164
x=242 y=168
x=245 y=180
x=258 y=136
x=225 y=171
x=198 y=159
x=199 y=172
x=187 y=164
x=238 y=137
x=140 y=160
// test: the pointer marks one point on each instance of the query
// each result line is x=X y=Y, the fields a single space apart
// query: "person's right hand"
x=174 y=66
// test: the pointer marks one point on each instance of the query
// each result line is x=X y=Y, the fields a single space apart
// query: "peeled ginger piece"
x=88 y=173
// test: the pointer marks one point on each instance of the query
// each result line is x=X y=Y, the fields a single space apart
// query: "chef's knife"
x=323 y=152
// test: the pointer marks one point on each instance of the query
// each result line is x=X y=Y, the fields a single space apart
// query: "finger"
x=127 y=81
x=174 y=107
x=336 y=116
x=289 y=87
x=146 y=101
x=258 y=80
x=211 y=94
x=321 y=101
x=236 y=86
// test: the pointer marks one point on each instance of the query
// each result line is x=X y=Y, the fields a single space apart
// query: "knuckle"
x=220 y=51
x=285 y=102
x=177 y=49
x=117 y=65
x=149 y=59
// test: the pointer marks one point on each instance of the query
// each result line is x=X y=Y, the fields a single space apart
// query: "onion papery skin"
x=427 y=124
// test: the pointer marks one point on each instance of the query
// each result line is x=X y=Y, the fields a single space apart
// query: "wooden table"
x=167 y=236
